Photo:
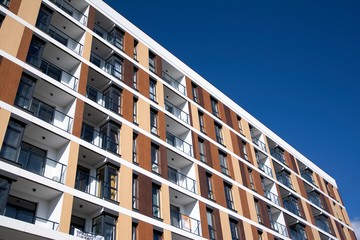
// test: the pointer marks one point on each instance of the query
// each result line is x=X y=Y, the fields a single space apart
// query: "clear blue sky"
x=294 y=65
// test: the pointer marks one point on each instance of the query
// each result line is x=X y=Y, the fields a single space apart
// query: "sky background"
x=293 y=65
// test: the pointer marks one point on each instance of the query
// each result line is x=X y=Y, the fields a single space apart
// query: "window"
x=82 y=182
x=297 y=231
x=291 y=204
x=5 y=3
x=201 y=122
x=257 y=209
x=76 y=223
x=234 y=229
x=223 y=163
x=32 y=158
x=114 y=66
x=136 y=49
x=244 y=148
x=135 y=78
x=116 y=37
x=202 y=150
x=153 y=90
x=229 y=196
x=107 y=177
x=156 y=200
x=113 y=97
x=12 y=141
x=272 y=222
x=25 y=92
x=105 y=226
x=135 y=109
x=251 y=179
x=5 y=185
x=214 y=107
x=155 y=158
x=153 y=121
x=218 y=133
x=209 y=186
x=195 y=92
x=35 y=52
x=211 y=223
x=135 y=192
x=134 y=234
x=157 y=235
x=110 y=133
x=152 y=62
x=2 y=17
x=134 y=148
x=20 y=209
x=260 y=235
x=240 y=125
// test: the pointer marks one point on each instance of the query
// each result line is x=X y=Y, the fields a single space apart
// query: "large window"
x=135 y=192
x=218 y=133
x=152 y=62
x=251 y=179
x=20 y=209
x=135 y=110
x=223 y=163
x=35 y=52
x=114 y=66
x=234 y=229
x=155 y=158
x=202 y=150
x=116 y=37
x=134 y=148
x=110 y=134
x=76 y=223
x=32 y=158
x=5 y=185
x=156 y=201
x=210 y=223
x=44 y=18
x=195 y=92
x=136 y=49
x=82 y=182
x=152 y=89
x=210 y=186
x=105 y=226
x=153 y=121
x=258 y=212
x=201 y=122
x=135 y=78
x=107 y=177
x=229 y=196
x=25 y=92
x=215 y=107
x=12 y=140
x=113 y=99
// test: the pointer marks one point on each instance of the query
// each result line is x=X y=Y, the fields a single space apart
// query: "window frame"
x=154 y=121
x=156 y=200
x=201 y=122
x=218 y=133
x=229 y=196
x=155 y=159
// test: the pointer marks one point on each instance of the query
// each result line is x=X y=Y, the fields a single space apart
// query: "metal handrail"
x=315 y=199
x=279 y=228
x=179 y=143
x=259 y=143
x=181 y=180
x=265 y=169
x=291 y=207
x=34 y=106
x=308 y=176
x=185 y=222
x=76 y=14
x=272 y=197
x=278 y=155
x=174 y=83
x=284 y=179
x=102 y=99
x=177 y=112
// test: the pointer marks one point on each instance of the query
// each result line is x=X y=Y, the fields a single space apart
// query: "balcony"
x=45 y=112
x=98 y=138
x=297 y=232
x=307 y=175
x=5 y=3
x=107 y=65
x=177 y=112
x=181 y=180
x=174 y=83
x=102 y=99
x=173 y=77
x=322 y=223
x=259 y=143
x=280 y=228
x=272 y=197
x=185 y=222
x=284 y=178
x=265 y=169
x=179 y=143
x=314 y=198
x=72 y=11
x=291 y=204
x=278 y=155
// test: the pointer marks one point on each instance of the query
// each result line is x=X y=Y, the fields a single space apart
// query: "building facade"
x=106 y=135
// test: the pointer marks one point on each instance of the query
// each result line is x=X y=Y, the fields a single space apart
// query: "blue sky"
x=294 y=65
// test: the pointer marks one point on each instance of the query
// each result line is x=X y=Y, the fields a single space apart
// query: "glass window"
x=257 y=209
x=44 y=18
x=32 y=158
x=201 y=122
x=157 y=235
x=116 y=37
x=134 y=148
x=25 y=92
x=240 y=125
x=12 y=141
x=82 y=182
x=135 y=78
x=35 y=52
x=251 y=179
x=107 y=177
x=5 y=185
x=113 y=97
x=156 y=200
x=152 y=62
x=110 y=136
x=76 y=223
x=244 y=148
x=153 y=90
x=134 y=233
x=234 y=228
x=155 y=160
x=214 y=107
x=153 y=122
x=105 y=226
x=135 y=192
x=223 y=163
x=135 y=109
x=202 y=150
x=20 y=209
x=195 y=92
x=136 y=49
x=209 y=186
x=229 y=196
x=211 y=223
x=87 y=133
x=218 y=133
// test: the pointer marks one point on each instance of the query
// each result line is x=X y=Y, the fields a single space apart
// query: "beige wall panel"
x=225 y=225
x=160 y=94
x=195 y=116
x=66 y=211
x=237 y=200
x=72 y=164
x=4 y=119
x=29 y=10
x=246 y=129
x=295 y=183
x=307 y=210
x=12 y=28
x=125 y=188
x=227 y=139
x=87 y=46
x=236 y=170
x=165 y=203
x=143 y=55
x=123 y=227
x=248 y=231
x=126 y=137
x=166 y=235
x=251 y=205
x=315 y=233
x=144 y=115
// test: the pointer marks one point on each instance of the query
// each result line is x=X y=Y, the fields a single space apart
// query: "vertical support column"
x=4 y=119
x=10 y=78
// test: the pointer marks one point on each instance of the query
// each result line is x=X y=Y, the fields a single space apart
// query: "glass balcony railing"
x=284 y=179
x=54 y=71
x=307 y=175
x=295 y=235
x=259 y=143
x=179 y=144
x=174 y=83
x=101 y=99
x=181 y=180
x=315 y=199
x=272 y=197
x=321 y=222
x=107 y=66
x=25 y=217
x=45 y=112
x=177 y=112
x=5 y=3
x=185 y=222
x=72 y=11
x=95 y=187
x=291 y=206
x=278 y=154
x=41 y=165
x=99 y=139
x=61 y=37
x=265 y=169
x=280 y=228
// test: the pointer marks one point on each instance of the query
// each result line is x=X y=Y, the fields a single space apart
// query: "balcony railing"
x=307 y=175
x=295 y=235
x=315 y=199
x=259 y=143
x=174 y=83
x=272 y=197
x=60 y=36
x=69 y=9
x=179 y=144
x=5 y=3
x=265 y=169
x=181 y=180
x=278 y=154
x=177 y=112
x=106 y=66
x=284 y=179
x=101 y=99
x=95 y=187
x=280 y=228
x=322 y=224
x=41 y=165
x=38 y=221
x=99 y=139
x=46 y=113
x=185 y=222
x=291 y=206
x=54 y=71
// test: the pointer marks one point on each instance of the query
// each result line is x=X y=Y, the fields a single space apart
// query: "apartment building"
x=104 y=134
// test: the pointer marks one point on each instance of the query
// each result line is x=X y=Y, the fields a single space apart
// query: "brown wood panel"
x=301 y=208
x=162 y=125
x=257 y=182
x=290 y=160
x=91 y=18
x=128 y=72
x=78 y=117
x=144 y=83
x=244 y=203
x=144 y=154
x=309 y=233
x=264 y=213
x=254 y=231
x=24 y=44
x=188 y=83
x=202 y=182
x=145 y=230
x=84 y=73
x=241 y=229
x=209 y=156
x=203 y=220
x=207 y=102
x=127 y=105
x=330 y=188
x=218 y=228
x=214 y=152
x=244 y=174
x=164 y=162
x=235 y=143
x=145 y=195
x=158 y=66
x=312 y=220
x=324 y=202
x=352 y=235
x=219 y=190
x=129 y=44
x=227 y=114
x=195 y=145
x=340 y=230
x=15 y=6
x=209 y=126
x=201 y=96
x=319 y=180
x=10 y=75
x=301 y=186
